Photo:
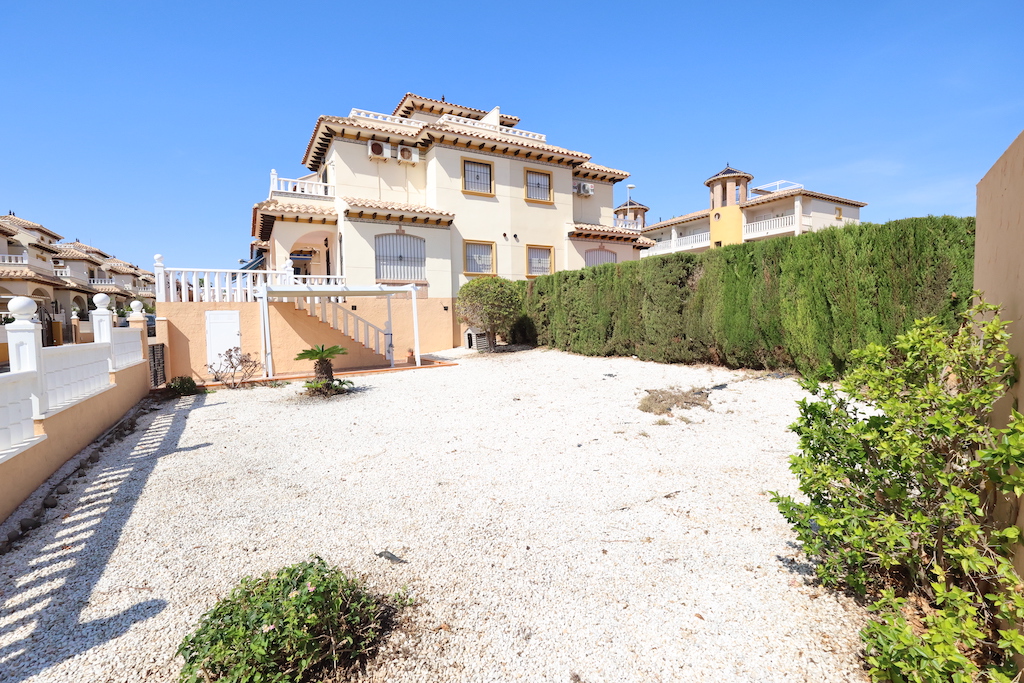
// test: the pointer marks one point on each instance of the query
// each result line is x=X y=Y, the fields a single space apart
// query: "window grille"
x=479 y=258
x=538 y=186
x=540 y=260
x=476 y=177
x=595 y=257
x=401 y=257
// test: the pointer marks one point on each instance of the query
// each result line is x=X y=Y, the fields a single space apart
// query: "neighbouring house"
x=429 y=197
x=999 y=242
x=737 y=214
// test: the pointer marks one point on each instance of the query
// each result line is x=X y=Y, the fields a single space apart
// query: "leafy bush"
x=802 y=302
x=183 y=386
x=903 y=477
x=281 y=625
x=493 y=304
x=320 y=387
x=322 y=356
x=234 y=368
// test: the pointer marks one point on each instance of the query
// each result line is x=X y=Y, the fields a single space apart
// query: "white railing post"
x=273 y=180
x=25 y=345
x=102 y=326
x=161 y=280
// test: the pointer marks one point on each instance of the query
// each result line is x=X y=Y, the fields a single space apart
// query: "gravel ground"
x=551 y=530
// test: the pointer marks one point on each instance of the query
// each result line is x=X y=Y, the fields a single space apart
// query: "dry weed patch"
x=662 y=401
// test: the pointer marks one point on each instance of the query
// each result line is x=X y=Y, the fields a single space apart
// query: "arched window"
x=595 y=257
x=401 y=257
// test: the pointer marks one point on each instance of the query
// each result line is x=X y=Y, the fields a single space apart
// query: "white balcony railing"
x=504 y=130
x=700 y=240
x=386 y=118
x=770 y=226
x=626 y=224
x=188 y=284
x=13 y=259
x=313 y=188
x=62 y=272
x=101 y=281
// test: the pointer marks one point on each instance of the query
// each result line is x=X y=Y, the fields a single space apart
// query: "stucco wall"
x=292 y=331
x=67 y=433
x=728 y=229
x=576 y=252
x=998 y=245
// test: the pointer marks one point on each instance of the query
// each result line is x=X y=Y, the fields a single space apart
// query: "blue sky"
x=149 y=127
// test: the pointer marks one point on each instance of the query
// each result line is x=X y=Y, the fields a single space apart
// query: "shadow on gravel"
x=49 y=581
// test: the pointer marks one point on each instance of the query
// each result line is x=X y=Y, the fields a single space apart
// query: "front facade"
x=435 y=194
x=737 y=214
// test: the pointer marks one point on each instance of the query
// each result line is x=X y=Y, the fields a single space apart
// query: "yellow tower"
x=728 y=192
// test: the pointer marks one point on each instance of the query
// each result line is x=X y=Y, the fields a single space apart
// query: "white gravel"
x=552 y=531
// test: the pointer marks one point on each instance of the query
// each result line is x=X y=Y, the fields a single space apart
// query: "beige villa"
x=738 y=213
x=400 y=207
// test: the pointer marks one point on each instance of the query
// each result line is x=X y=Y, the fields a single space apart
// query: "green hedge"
x=802 y=302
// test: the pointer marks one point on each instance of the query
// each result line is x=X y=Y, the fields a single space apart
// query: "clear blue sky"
x=145 y=127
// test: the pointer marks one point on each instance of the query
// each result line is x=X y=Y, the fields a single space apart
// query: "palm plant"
x=321 y=356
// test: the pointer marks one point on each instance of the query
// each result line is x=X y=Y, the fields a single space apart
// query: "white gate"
x=223 y=332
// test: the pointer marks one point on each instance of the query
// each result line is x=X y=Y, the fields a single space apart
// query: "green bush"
x=279 y=626
x=802 y=302
x=903 y=477
x=325 y=388
x=493 y=304
x=183 y=386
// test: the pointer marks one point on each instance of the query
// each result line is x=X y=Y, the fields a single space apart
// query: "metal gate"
x=156 y=365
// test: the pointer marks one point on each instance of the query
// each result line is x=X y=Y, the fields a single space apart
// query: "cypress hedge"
x=800 y=302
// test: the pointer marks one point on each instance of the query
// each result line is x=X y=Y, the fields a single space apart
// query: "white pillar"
x=268 y=353
x=389 y=347
x=160 y=287
x=273 y=181
x=798 y=211
x=102 y=325
x=415 y=328
x=25 y=346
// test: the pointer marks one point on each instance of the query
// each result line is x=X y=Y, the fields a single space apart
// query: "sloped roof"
x=378 y=205
x=20 y=223
x=409 y=101
x=85 y=247
x=592 y=168
x=23 y=273
x=727 y=172
x=594 y=231
x=264 y=213
x=115 y=265
x=69 y=253
x=686 y=218
x=632 y=204
x=772 y=196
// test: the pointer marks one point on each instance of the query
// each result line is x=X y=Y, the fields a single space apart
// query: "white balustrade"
x=504 y=130
x=75 y=371
x=626 y=223
x=62 y=272
x=127 y=347
x=13 y=259
x=315 y=189
x=386 y=118
x=16 y=426
x=769 y=226
x=101 y=281
x=685 y=243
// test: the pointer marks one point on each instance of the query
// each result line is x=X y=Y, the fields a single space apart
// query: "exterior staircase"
x=332 y=312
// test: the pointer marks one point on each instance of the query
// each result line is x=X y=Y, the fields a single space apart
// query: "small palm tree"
x=321 y=357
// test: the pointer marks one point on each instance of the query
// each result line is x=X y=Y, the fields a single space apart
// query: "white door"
x=223 y=332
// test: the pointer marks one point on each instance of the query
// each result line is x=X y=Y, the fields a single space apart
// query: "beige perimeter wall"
x=998 y=260
x=67 y=433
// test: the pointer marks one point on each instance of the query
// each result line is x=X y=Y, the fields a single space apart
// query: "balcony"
x=300 y=187
x=696 y=242
x=13 y=259
x=626 y=224
x=770 y=226
x=101 y=281
x=62 y=272
x=504 y=130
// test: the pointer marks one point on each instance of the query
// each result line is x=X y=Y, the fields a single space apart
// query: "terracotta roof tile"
x=507 y=120
x=597 y=168
x=21 y=223
x=43 y=246
x=274 y=206
x=72 y=254
x=500 y=137
x=679 y=219
x=22 y=273
x=727 y=172
x=632 y=204
x=610 y=231
x=85 y=248
x=7 y=231
x=771 y=196
x=379 y=205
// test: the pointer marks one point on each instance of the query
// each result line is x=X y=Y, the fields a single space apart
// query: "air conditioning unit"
x=378 y=149
x=408 y=155
x=583 y=189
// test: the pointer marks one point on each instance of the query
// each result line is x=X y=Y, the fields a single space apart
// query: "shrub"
x=325 y=388
x=802 y=302
x=183 y=386
x=493 y=304
x=234 y=368
x=903 y=477
x=281 y=625
x=322 y=356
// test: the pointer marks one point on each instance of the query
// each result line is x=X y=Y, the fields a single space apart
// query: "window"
x=595 y=257
x=477 y=177
x=538 y=261
x=401 y=257
x=839 y=213
x=538 y=186
x=479 y=257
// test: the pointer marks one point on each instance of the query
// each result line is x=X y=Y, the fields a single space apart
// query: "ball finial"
x=137 y=306
x=21 y=307
x=101 y=300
